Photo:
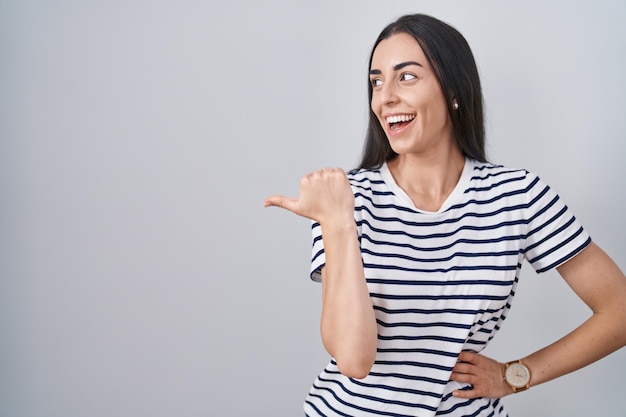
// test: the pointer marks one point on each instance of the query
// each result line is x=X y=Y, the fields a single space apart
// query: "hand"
x=325 y=196
x=485 y=374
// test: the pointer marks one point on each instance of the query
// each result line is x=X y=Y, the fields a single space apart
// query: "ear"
x=453 y=100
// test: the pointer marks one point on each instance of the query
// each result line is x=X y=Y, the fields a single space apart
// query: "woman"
x=423 y=244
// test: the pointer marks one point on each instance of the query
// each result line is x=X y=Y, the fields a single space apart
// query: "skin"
x=428 y=167
x=429 y=163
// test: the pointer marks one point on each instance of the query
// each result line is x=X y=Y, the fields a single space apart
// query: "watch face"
x=517 y=375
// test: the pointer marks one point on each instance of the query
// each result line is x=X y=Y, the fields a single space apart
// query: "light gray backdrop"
x=140 y=275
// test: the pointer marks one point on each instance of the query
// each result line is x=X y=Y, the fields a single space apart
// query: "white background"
x=139 y=273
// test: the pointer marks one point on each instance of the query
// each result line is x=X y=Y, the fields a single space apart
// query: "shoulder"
x=365 y=180
x=487 y=175
x=500 y=187
x=494 y=172
x=363 y=175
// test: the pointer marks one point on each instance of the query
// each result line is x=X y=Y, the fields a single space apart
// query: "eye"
x=407 y=76
x=376 y=82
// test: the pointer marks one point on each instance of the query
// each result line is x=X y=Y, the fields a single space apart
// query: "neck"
x=428 y=179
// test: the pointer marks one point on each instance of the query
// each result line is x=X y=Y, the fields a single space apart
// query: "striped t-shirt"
x=441 y=282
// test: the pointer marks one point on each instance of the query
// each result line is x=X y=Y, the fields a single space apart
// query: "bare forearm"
x=596 y=338
x=601 y=284
x=348 y=324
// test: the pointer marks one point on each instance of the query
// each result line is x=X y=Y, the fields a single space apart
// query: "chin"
x=402 y=150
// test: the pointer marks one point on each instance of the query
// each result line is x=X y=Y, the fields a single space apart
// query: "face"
x=407 y=98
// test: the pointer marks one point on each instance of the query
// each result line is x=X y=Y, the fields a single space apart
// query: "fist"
x=325 y=196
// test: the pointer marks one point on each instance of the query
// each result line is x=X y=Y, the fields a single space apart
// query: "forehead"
x=398 y=48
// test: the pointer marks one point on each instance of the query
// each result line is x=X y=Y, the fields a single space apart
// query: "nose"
x=388 y=93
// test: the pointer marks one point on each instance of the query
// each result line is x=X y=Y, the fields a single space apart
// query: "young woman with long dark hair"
x=419 y=249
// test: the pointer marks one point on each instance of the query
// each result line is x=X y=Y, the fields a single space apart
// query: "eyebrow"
x=397 y=67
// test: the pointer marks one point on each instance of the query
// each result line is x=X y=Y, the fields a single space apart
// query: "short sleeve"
x=553 y=235
x=318 y=259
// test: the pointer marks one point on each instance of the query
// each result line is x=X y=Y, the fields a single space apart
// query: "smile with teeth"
x=398 y=121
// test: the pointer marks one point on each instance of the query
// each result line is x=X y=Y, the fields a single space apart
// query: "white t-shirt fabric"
x=440 y=283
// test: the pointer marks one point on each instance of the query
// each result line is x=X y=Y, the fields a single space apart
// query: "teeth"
x=400 y=118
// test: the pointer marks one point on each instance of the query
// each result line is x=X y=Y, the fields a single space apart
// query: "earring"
x=455 y=105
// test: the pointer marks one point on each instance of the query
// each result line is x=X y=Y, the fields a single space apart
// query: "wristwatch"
x=517 y=375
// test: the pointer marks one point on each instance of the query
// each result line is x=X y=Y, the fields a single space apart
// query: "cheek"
x=374 y=106
x=434 y=110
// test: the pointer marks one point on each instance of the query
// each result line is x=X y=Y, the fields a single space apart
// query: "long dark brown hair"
x=451 y=58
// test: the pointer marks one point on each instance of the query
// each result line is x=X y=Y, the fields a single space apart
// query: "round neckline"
x=454 y=196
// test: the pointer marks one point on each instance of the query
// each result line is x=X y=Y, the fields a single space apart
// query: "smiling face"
x=407 y=98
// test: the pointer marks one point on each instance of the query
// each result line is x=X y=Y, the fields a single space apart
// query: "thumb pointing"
x=291 y=204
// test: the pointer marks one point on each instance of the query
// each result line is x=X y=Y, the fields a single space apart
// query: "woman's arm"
x=348 y=325
x=599 y=282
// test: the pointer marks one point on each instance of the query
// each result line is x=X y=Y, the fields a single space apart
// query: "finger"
x=465 y=393
x=464 y=368
x=291 y=204
x=459 y=377
x=467 y=356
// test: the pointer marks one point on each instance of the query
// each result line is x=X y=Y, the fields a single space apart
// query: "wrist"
x=516 y=375
x=338 y=227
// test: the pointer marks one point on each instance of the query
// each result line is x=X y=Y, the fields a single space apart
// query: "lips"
x=397 y=122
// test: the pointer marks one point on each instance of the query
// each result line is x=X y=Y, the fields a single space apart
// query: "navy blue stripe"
x=478 y=343
x=355 y=172
x=493 y=185
x=462 y=403
x=317 y=255
x=395 y=389
x=444 y=247
x=444 y=259
x=444 y=270
x=466 y=403
x=422 y=325
x=438 y=297
x=403 y=337
x=374 y=192
x=438 y=283
x=476 y=177
x=403 y=363
x=403 y=232
x=359 y=188
x=417 y=350
x=487 y=166
x=435 y=311
x=409 y=377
